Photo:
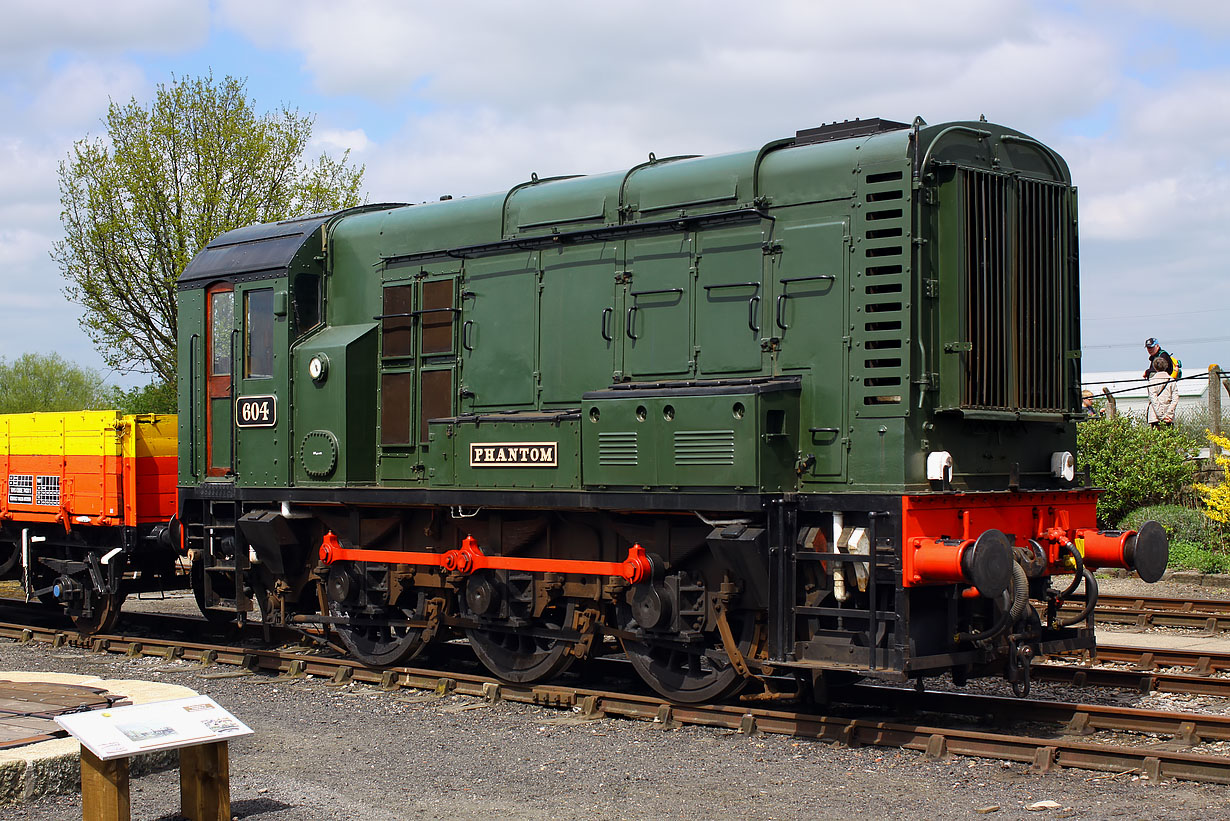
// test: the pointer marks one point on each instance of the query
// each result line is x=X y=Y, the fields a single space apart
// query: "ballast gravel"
x=355 y=753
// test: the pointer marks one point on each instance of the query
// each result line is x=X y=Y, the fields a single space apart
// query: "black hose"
x=1011 y=611
x=1078 y=573
x=1091 y=600
x=1020 y=592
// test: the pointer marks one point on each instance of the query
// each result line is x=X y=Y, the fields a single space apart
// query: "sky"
x=466 y=98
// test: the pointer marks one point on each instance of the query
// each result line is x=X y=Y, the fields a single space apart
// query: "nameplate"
x=514 y=454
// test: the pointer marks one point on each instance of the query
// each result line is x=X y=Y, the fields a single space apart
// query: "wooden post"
x=104 y=788
x=1214 y=400
x=1111 y=410
x=205 y=782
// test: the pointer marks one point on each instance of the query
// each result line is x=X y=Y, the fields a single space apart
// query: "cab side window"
x=306 y=301
x=258 y=334
x=222 y=320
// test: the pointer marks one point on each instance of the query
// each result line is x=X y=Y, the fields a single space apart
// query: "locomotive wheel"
x=519 y=657
x=692 y=673
x=379 y=644
x=102 y=619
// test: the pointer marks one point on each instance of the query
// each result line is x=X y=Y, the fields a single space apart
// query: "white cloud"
x=521 y=58
x=588 y=87
x=26 y=168
x=34 y=28
x=21 y=249
x=336 y=140
x=76 y=96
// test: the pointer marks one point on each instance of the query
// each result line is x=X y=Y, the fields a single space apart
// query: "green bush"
x=1136 y=464
x=1189 y=555
x=1180 y=523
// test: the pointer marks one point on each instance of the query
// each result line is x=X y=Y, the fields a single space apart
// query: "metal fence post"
x=1215 y=399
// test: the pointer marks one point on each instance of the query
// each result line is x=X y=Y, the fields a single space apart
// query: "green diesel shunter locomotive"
x=802 y=411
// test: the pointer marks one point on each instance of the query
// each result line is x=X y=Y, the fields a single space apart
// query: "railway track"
x=1165 y=745
x=1144 y=670
x=1212 y=615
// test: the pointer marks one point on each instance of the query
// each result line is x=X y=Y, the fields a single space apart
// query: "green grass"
x=1185 y=555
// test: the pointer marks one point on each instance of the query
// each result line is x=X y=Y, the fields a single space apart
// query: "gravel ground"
x=1182 y=586
x=321 y=752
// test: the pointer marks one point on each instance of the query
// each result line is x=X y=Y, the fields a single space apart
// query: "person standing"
x=1163 y=396
x=1091 y=411
x=1155 y=350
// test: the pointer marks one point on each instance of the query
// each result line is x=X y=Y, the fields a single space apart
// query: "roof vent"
x=846 y=130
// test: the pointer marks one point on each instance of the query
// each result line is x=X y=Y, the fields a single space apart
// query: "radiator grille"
x=1016 y=290
x=618 y=448
x=704 y=447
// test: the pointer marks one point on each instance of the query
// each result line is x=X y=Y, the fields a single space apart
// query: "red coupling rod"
x=469 y=557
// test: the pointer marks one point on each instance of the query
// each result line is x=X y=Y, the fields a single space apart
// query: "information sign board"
x=120 y=732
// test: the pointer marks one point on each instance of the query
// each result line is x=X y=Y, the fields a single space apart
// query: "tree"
x=47 y=382
x=138 y=204
x=156 y=397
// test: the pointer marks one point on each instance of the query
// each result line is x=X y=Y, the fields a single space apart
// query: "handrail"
x=192 y=398
x=977 y=132
x=231 y=411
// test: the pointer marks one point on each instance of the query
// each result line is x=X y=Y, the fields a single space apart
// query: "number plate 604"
x=256 y=411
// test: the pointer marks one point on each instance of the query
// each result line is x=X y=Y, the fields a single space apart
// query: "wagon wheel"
x=693 y=672
x=10 y=555
x=528 y=655
x=105 y=611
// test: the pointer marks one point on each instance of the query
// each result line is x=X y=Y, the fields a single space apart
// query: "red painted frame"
x=469 y=558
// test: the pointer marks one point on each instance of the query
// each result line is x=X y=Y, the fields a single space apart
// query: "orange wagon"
x=88 y=506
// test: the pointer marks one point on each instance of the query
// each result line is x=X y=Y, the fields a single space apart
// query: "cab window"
x=306 y=301
x=222 y=320
x=258 y=334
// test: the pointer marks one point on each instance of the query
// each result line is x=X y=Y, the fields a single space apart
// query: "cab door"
x=219 y=361
x=260 y=379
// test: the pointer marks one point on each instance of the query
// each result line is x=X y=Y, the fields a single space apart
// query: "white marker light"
x=939 y=466
x=1063 y=465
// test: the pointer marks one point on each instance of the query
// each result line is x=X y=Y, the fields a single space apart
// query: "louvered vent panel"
x=617 y=448
x=879 y=305
x=704 y=447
